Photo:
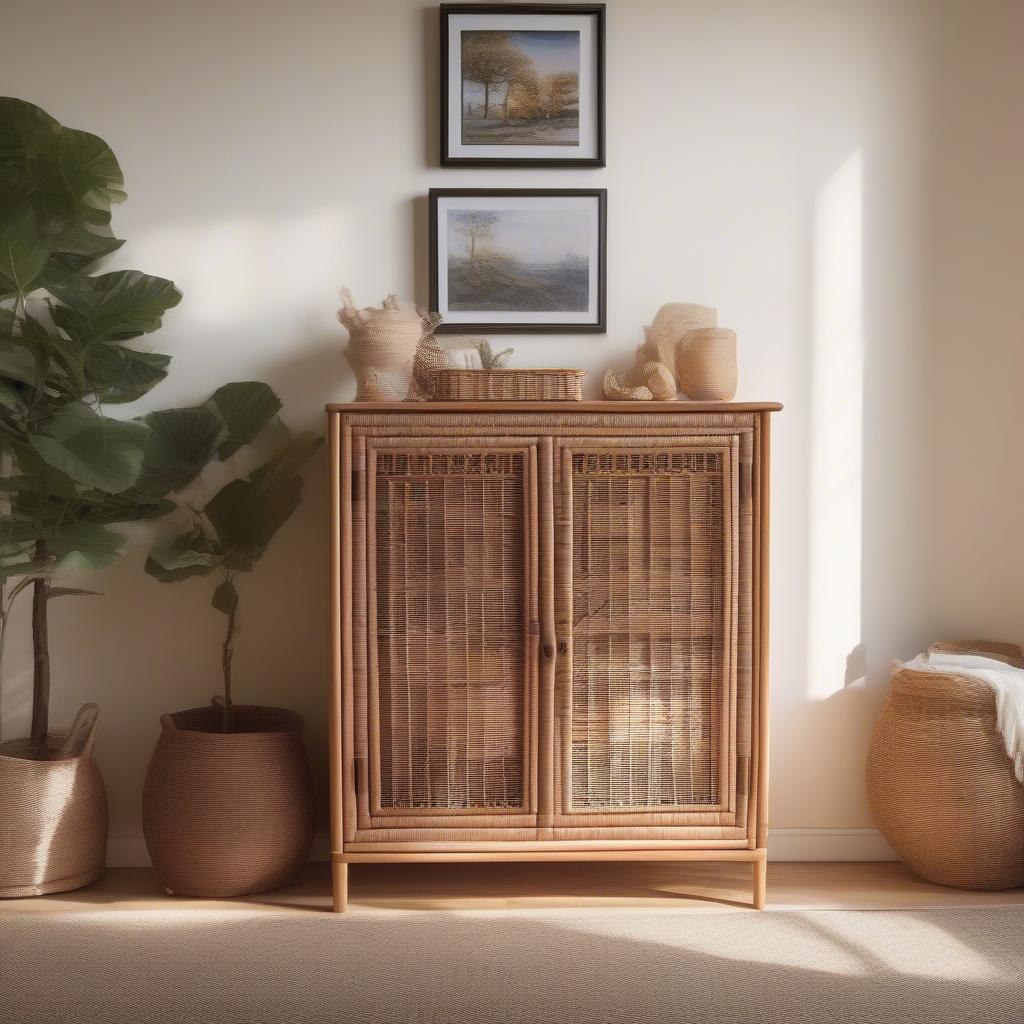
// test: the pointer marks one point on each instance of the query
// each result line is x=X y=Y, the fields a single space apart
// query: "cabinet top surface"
x=569 y=407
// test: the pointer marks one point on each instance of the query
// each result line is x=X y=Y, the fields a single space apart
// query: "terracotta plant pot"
x=53 y=820
x=227 y=814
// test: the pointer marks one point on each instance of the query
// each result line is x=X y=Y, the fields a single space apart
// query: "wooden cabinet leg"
x=339 y=878
x=760 y=882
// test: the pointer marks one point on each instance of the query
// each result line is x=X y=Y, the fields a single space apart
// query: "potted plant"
x=227 y=804
x=68 y=470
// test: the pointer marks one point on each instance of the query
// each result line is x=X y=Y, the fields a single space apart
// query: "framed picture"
x=524 y=260
x=522 y=85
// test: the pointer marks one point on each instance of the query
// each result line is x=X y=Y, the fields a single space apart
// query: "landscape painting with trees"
x=520 y=88
x=519 y=260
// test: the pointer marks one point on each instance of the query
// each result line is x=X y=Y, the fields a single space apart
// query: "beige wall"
x=841 y=179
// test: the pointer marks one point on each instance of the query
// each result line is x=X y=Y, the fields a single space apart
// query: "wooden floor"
x=696 y=888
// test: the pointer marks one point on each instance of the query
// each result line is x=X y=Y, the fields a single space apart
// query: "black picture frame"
x=597 y=11
x=485 y=327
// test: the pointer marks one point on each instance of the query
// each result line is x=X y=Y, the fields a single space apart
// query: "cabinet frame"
x=548 y=423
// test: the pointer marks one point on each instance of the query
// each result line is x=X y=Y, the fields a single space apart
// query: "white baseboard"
x=835 y=844
x=828 y=844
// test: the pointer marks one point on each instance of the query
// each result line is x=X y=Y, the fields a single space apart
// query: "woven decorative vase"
x=227 y=814
x=706 y=362
x=382 y=345
x=941 y=786
x=53 y=821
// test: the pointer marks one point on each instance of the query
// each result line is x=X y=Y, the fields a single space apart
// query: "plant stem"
x=41 y=655
x=226 y=656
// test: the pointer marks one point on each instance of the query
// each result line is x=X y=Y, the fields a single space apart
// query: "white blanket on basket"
x=1006 y=682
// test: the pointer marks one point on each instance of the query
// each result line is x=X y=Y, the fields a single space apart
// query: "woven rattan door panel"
x=651 y=706
x=447 y=608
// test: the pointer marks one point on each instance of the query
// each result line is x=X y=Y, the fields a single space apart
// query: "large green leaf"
x=180 y=443
x=246 y=408
x=80 y=246
x=117 y=374
x=62 y=173
x=189 y=554
x=17 y=560
x=128 y=506
x=246 y=515
x=119 y=305
x=93 y=450
x=36 y=478
x=87 y=167
x=22 y=127
x=17 y=362
x=289 y=460
x=23 y=254
x=225 y=598
x=85 y=547
x=12 y=406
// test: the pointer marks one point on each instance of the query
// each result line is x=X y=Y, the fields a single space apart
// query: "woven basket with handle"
x=226 y=814
x=53 y=816
x=512 y=385
x=941 y=786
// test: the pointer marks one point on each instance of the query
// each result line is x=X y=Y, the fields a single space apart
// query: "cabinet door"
x=445 y=610
x=652 y=580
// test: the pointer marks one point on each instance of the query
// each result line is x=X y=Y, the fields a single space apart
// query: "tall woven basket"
x=225 y=814
x=940 y=783
x=53 y=821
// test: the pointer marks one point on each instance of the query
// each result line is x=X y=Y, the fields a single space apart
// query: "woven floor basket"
x=940 y=783
x=228 y=814
x=516 y=385
x=53 y=823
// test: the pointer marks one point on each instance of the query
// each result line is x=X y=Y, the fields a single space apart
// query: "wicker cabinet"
x=549 y=631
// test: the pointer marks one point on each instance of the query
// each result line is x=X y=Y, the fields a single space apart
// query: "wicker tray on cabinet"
x=515 y=385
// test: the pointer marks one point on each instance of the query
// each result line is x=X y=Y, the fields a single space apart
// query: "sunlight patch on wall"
x=835 y=656
x=249 y=269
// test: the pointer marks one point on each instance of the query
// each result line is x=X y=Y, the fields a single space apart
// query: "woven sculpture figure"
x=648 y=379
x=382 y=347
x=940 y=784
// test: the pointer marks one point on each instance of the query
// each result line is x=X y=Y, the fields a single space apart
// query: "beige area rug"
x=607 y=966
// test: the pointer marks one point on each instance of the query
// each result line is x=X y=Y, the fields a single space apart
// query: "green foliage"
x=69 y=469
x=68 y=351
x=491 y=360
x=231 y=533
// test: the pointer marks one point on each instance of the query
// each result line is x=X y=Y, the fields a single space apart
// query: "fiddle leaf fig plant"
x=68 y=351
x=230 y=533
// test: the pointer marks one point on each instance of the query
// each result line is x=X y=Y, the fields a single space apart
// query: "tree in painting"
x=476 y=226
x=520 y=88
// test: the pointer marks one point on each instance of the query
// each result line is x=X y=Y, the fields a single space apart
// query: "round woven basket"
x=53 y=820
x=387 y=342
x=940 y=783
x=706 y=363
x=225 y=814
